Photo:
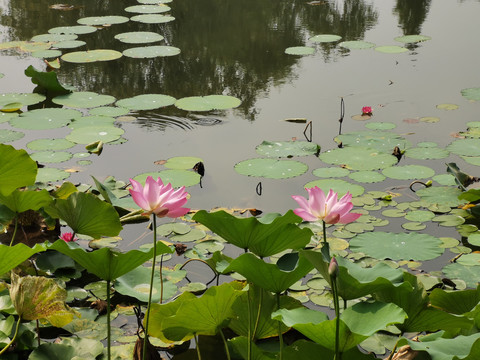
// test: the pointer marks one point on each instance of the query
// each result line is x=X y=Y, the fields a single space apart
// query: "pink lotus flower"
x=328 y=209
x=161 y=200
x=68 y=237
x=367 y=110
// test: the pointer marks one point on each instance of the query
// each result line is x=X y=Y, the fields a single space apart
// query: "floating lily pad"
x=10 y=135
x=76 y=29
x=182 y=162
x=420 y=215
x=325 y=38
x=465 y=147
x=412 y=38
x=430 y=119
x=148 y=9
x=175 y=177
x=380 y=125
x=338 y=185
x=102 y=20
x=46 y=175
x=92 y=120
x=51 y=156
x=469 y=274
x=449 y=220
x=408 y=172
x=91 y=56
x=22 y=98
x=441 y=195
x=90 y=134
x=391 y=49
x=367 y=176
x=146 y=102
x=287 y=148
x=47 y=118
x=359 y=158
x=152 y=18
x=109 y=111
x=84 y=99
x=358 y=44
x=331 y=172
x=54 y=37
x=151 y=51
x=474 y=160
x=447 y=107
x=207 y=103
x=50 y=144
x=4 y=117
x=35 y=46
x=271 y=168
x=414 y=226
x=139 y=37
x=445 y=179
x=300 y=50
x=397 y=246
x=46 y=54
x=471 y=93
x=426 y=153
x=69 y=44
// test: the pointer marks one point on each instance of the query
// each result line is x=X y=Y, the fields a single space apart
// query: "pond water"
x=238 y=48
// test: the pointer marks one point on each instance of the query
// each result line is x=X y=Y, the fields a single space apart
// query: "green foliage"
x=17 y=169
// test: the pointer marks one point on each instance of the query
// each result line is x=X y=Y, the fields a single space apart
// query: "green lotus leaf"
x=92 y=121
x=12 y=256
x=47 y=83
x=380 y=126
x=471 y=93
x=412 y=38
x=397 y=246
x=324 y=38
x=85 y=99
x=10 y=135
x=53 y=37
x=447 y=107
x=68 y=348
x=4 y=117
x=146 y=102
x=72 y=44
x=469 y=274
x=151 y=51
x=420 y=215
x=139 y=37
x=383 y=141
x=287 y=148
x=109 y=111
x=441 y=195
x=207 y=103
x=359 y=158
x=38 y=297
x=89 y=134
x=175 y=177
x=192 y=235
x=331 y=172
x=300 y=50
x=76 y=29
x=366 y=176
x=429 y=119
x=338 y=185
x=87 y=214
x=356 y=44
x=20 y=201
x=17 y=169
x=46 y=54
x=449 y=220
x=44 y=119
x=106 y=263
x=391 y=49
x=408 y=172
x=152 y=18
x=136 y=284
x=182 y=162
x=24 y=99
x=91 y=56
x=102 y=20
x=465 y=147
x=460 y=347
x=426 y=153
x=46 y=175
x=51 y=156
x=271 y=168
x=148 y=9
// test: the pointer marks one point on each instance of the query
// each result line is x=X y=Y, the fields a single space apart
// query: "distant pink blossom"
x=161 y=200
x=68 y=237
x=367 y=110
x=328 y=209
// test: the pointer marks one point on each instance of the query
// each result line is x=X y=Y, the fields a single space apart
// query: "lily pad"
x=76 y=29
x=331 y=172
x=4 y=117
x=441 y=195
x=408 y=172
x=391 y=49
x=380 y=125
x=469 y=274
x=51 y=156
x=139 y=37
x=46 y=54
x=472 y=94
x=109 y=111
x=43 y=119
x=152 y=18
x=356 y=44
x=397 y=246
x=177 y=178
x=182 y=162
x=447 y=107
x=367 y=176
x=426 y=153
x=384 y=141
x=338 y=185
x=92 y=120
x=271 y=168
x=420 y=215
x=89 y=134
x=300 y=50
x=91 y=56
x=50 y=144
x=26 y=99
x=325 y=38
x=102 y=20
x=151 y=51
x=69 y=44
x=85 y=99
x=287 y=148
x=146 y=102
x=445 y=179
x=359 y=158
x=207 y=103
x=53 y=37
x=412 y=38
x=10 y=135
x=429 y=119
x=147 y=9
x=46 y=175
x=465 y=147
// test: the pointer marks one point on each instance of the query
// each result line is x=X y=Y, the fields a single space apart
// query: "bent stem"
x=13 y=339
x=14 y=230
x=337 y=319
x=145 y=337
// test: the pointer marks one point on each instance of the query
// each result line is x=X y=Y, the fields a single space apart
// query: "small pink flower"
x=161 y=200
x=367 y=110
x=333 y=268
x=68 y=237
x=328 y=209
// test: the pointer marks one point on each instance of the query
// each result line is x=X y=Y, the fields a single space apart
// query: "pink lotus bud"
x=68 y=237
x=333 y=268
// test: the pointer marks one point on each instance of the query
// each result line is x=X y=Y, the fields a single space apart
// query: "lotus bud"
x=429 y=183
x=387 y=197
x=333 y=268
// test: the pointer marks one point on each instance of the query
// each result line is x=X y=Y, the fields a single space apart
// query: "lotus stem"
x=145 y=338
x=108 y=321
x=337 y=319
x=225 y=343
x=257 y=321
x=161 y=279
x=13 y=339
x=249 y=343
x=14 y=230
x=280 y=336
x=199 y=355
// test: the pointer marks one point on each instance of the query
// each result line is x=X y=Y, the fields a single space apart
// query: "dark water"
x=237 y=48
